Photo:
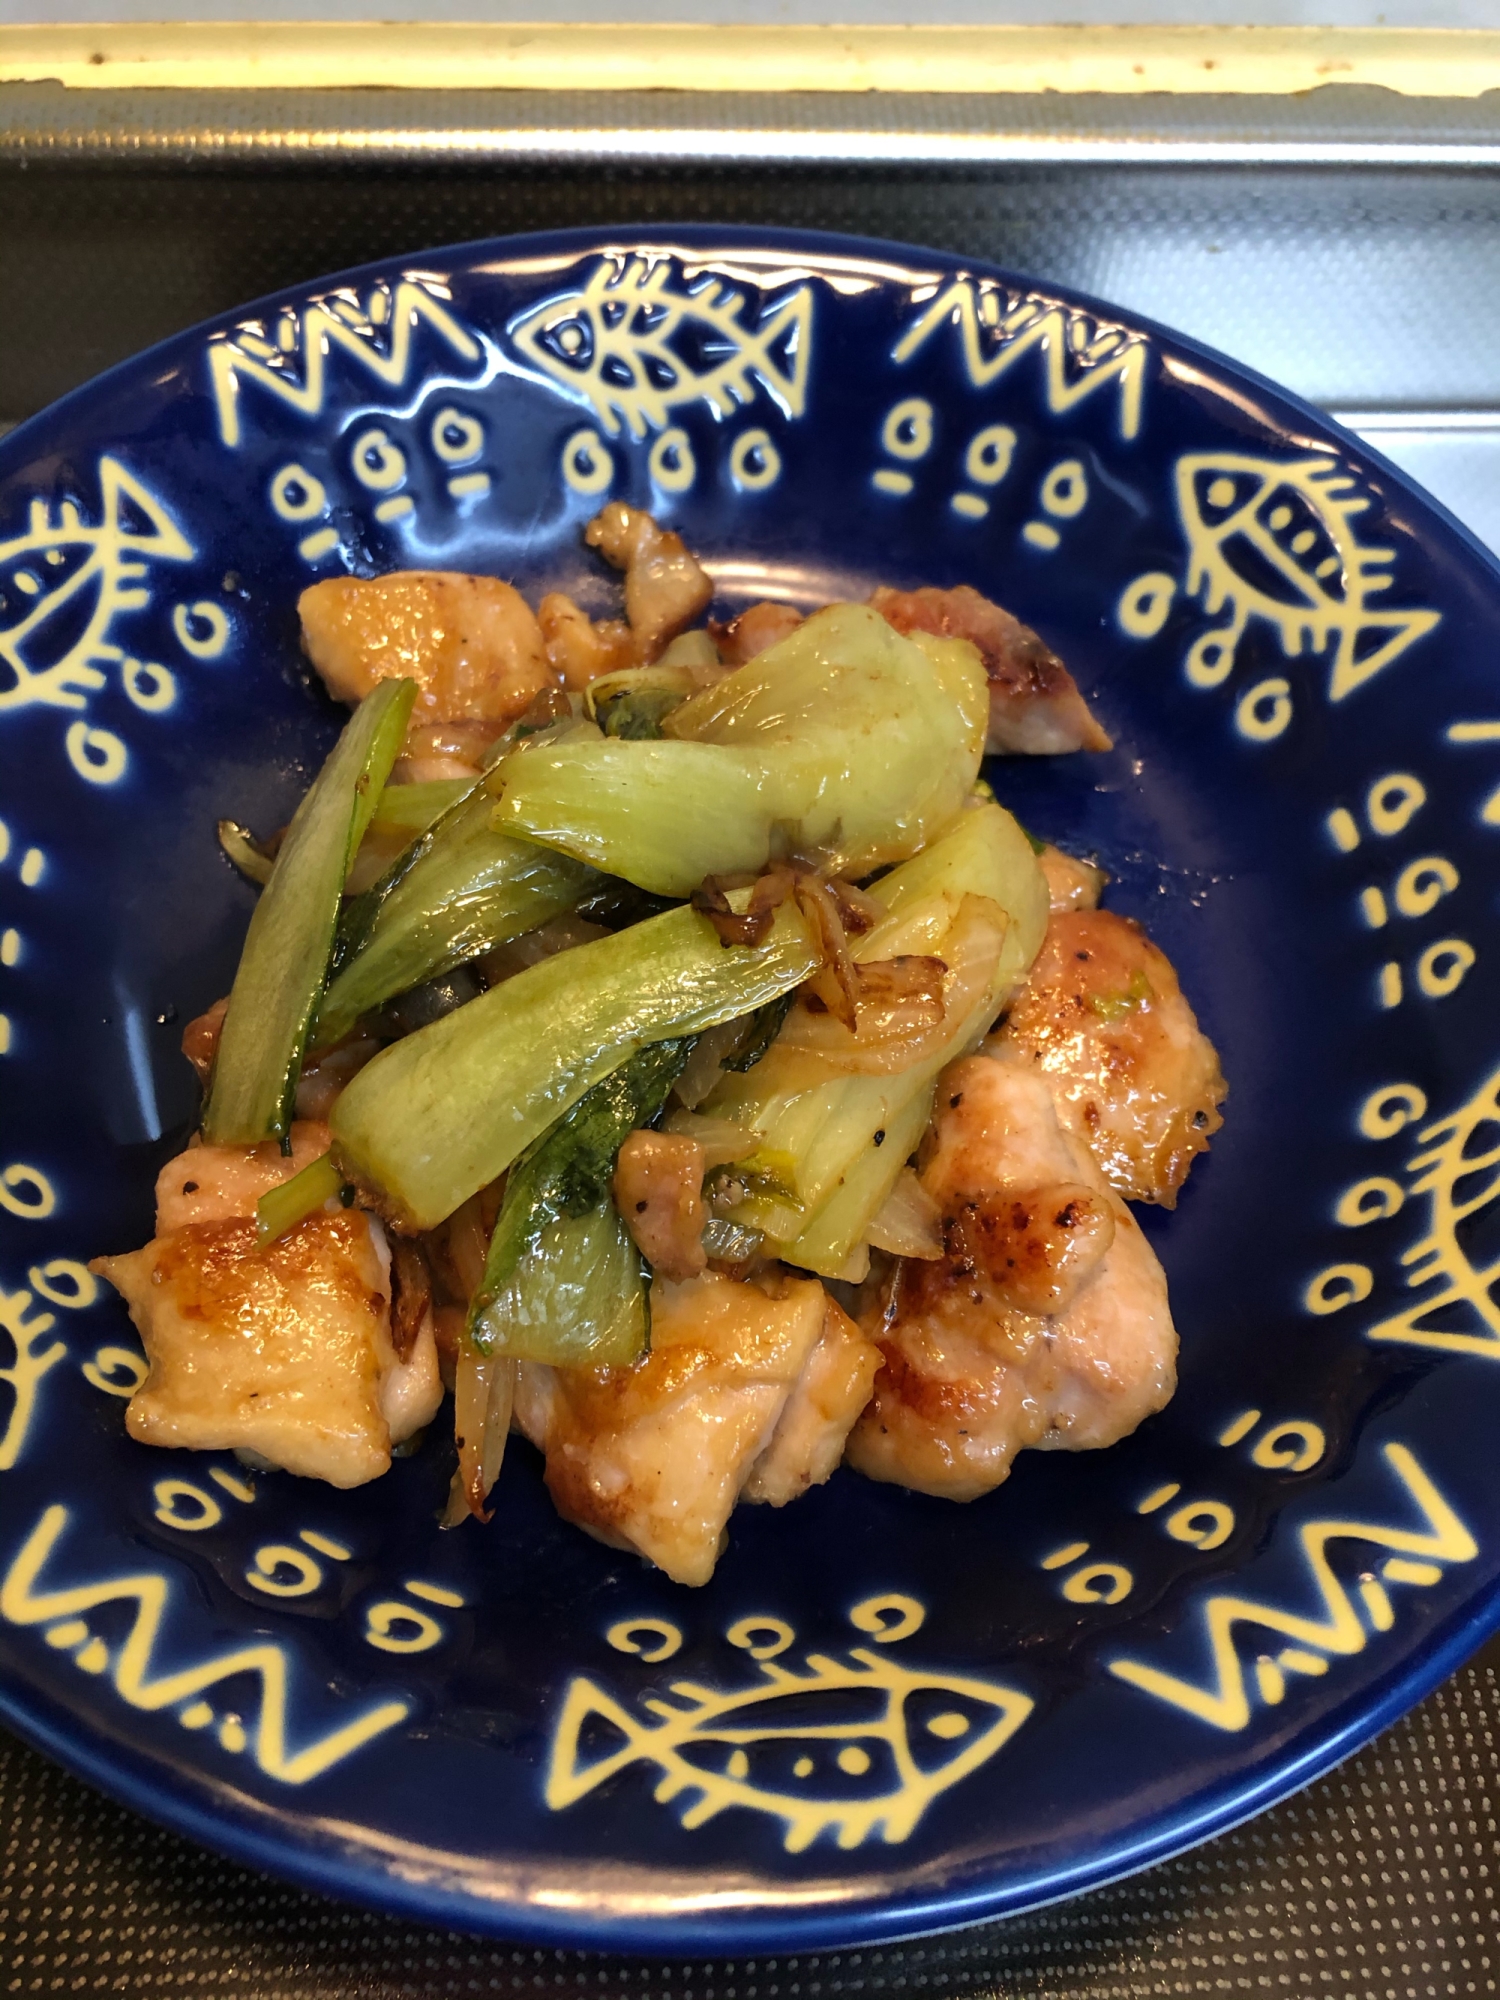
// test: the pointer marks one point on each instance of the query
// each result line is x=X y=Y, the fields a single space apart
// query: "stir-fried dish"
x=656 y=1033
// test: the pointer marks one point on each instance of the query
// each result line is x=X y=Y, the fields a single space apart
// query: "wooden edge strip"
x=1431 y=63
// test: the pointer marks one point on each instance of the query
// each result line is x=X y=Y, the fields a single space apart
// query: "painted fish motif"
x=1276 y=540
x=635 y=348
x=63 y=582
x=1458 y=1169
x=854 y=1746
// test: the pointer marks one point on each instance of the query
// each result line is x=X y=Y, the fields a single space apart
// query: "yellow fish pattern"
x=853 y=1746
x=1459 y=1171
x=635 y=347
x=64 y=581
x=1275 y=540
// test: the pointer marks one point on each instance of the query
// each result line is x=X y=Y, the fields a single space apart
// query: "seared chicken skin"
x=580 y=648
x=654 y=1456
x=665 y=590
x=1071 y=884
x=1035 y=707
x=665 y=586
x=1044 y=1324
x=1103 y=1018
x=284 y=1351
x=471 y=643
x=755 y=631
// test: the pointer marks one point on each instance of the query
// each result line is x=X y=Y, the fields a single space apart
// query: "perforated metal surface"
x=1380 y=1882
x=124 y=216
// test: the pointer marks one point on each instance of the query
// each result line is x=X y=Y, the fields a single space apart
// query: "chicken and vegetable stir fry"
x=656 y=1034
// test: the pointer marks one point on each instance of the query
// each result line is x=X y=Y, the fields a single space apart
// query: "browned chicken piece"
x=1071 y=884
x=580 y=648
x=832 y=1389
x=326 y=1075
x=470 y=643
x=223 y=1183
x=1037 y=1247
x=200 y=1038
x=1035 y=707
x=1103 y=1018
x=665 y=589
x=653 y=1457
x=284 y=1351
x=1044 y=1324
x=659 y=1192
x=436 y=751
x=754 y=631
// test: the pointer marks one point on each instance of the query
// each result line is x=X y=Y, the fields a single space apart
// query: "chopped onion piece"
x=482 y=1399
x=910 y=1224
x=723 y=1142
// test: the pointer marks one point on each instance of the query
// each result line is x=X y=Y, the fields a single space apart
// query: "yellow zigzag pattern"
x=338 y=321
x=1080 y=357
x=23 y=1603
x=1439 y=1258
x=1225 y=1702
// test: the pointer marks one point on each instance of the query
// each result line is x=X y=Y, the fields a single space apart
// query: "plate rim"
x=355 y=1876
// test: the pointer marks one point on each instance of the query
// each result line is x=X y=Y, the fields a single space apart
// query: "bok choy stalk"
x=841 y=1113
x=287 y=948
x=845 y=738
x=563 y=1281
x=439 y=1115
x=832 y=1240
x=459 y=892
x=293 y=1201
x=413 y=808
x=824 y=1120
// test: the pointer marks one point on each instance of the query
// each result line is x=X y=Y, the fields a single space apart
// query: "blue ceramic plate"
x=1124 y=1651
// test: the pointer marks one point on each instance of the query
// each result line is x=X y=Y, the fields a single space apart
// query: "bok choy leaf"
x=462 y=890
x=580 y=1297
x=438 y=1116
x=285 y=959
x=563 y=1282
x=845 y=739
x=569 y=1169
x=840 y=1116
